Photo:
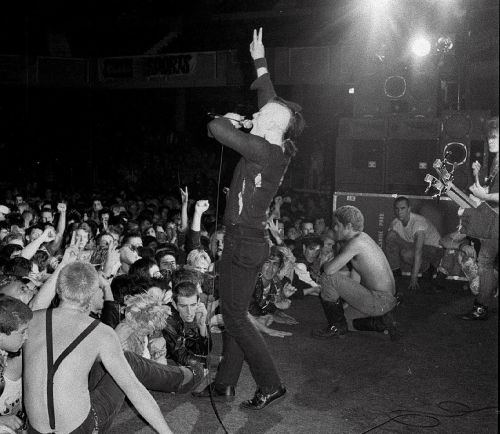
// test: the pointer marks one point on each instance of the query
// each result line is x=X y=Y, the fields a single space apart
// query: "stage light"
x=420 y=46
x=444 y=44
x=351 y=91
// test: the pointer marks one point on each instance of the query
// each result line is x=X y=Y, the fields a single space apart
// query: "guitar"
x=478 y=219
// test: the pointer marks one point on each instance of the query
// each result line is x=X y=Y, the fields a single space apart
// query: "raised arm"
x=29 y=251
x=47 y=291
x=61 y=225
x=193 y=240
x=184 y=212
x=263 y=84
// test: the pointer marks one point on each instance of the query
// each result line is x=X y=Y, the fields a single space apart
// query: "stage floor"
x=353 y=384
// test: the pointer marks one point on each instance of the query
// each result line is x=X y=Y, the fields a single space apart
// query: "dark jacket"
x=260 y=170
x=184 y=342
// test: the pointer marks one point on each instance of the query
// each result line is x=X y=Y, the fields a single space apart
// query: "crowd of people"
x=120 y=295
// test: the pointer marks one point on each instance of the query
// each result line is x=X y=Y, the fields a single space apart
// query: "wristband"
x=261 y=62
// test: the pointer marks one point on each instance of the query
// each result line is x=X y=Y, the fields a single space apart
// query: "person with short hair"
x=129 y=250
x=412 y=240
x=186 y=330
x=60 y=396
x=373 y=297
x=14 y=319
x=47 y=216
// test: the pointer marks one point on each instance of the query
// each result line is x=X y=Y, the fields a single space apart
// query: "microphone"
x=245 y=123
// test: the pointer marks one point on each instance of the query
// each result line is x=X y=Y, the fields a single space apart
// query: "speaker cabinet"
x=360 y=165
x=406 y=127
x=468 y=129
x=407 y=163
x=362 y=128
x=397 y=90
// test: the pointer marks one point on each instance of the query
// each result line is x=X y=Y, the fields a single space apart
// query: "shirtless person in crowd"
x=371 y=298
x=64 y=398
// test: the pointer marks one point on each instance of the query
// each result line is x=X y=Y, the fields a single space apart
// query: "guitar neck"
x=459 y=197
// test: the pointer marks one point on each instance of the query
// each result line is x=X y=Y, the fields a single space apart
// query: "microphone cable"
x=211 y=293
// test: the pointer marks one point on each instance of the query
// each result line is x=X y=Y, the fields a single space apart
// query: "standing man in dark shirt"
x=488 y=253
x=265 y=155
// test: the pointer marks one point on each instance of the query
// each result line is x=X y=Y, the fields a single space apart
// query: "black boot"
x=218 y=392
x=337 y=324
x=479 y=312
x=382 y=324
x=369 y=324
x=198 y=371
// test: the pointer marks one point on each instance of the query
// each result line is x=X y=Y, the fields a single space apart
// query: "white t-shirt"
x=11 y=398
x=416 y=224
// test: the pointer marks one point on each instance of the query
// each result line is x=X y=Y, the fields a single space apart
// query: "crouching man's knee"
x=328 y=285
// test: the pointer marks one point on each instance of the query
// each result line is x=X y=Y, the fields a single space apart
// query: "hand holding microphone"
x=237 y=120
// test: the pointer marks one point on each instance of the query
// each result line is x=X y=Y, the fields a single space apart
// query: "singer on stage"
x=265 y=155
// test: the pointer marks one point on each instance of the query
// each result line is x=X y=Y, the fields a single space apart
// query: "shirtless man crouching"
x=369 y=298
x=65 y=346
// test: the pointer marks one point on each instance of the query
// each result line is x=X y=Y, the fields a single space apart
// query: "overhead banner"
x=179 y=64
x=116 y=68
x=149 y=67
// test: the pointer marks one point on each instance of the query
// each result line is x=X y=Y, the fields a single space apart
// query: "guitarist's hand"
x=476 y=167
x=479 y=191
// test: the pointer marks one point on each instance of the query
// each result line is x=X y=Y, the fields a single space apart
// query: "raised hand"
x=49 y=234
x=257 y=50
x=73 y=240
x=61 y=207
x=201 y=314
x=184 y=195
x=70 y=255
x=112 y=263
x=273 y=227
x=201 y=206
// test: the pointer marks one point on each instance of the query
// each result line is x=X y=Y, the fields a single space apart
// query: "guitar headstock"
x=442 y=171
x=434 y=185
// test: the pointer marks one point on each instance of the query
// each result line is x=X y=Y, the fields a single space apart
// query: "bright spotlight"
x=420 y=46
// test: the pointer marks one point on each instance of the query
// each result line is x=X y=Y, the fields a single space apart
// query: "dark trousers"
x=106 y=397
x=488 y=281
x=245 y=251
